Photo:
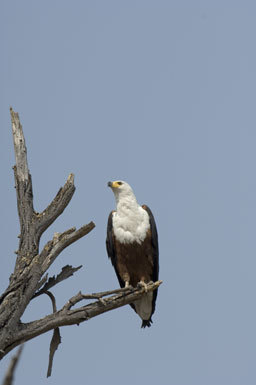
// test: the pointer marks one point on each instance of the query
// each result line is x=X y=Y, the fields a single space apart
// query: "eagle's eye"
x=119 y=183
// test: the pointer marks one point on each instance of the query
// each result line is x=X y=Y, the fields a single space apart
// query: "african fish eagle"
x=132 y=246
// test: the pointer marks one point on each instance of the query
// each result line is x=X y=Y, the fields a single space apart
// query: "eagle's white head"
x=122 y=191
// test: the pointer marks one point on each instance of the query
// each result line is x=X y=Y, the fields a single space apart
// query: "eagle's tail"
x=146 y=322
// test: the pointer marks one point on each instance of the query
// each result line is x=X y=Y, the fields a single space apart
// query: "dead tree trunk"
x=29 y=278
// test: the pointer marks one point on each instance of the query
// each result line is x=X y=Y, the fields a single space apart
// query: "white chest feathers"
x=130 y=224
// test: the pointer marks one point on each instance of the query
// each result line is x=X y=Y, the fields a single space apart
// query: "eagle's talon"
x=143 y=285
x=102 y=301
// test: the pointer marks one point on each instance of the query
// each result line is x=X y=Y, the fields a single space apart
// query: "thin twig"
x=9 y=375
x=79 y=296
x=51 y=296
x=56 y=338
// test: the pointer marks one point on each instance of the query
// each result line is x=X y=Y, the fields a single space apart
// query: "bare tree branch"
x=66 y=272
x=65 y=316
x=59 y=242
x=23 y=185
x=57 y=206
x=19 y=147
x=9 y=375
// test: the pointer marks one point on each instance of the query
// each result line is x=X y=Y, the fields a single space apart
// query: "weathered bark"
x=29 y=278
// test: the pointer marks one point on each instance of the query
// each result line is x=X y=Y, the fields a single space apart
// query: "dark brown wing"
x=155 y=252
x=111 y=249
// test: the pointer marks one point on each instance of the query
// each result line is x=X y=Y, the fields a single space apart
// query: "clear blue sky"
x=160 y=94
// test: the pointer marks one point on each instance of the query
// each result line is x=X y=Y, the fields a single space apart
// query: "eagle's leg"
x=144 y=285
x=126 y=279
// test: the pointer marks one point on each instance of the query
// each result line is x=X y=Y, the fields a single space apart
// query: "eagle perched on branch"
x=132 y=246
